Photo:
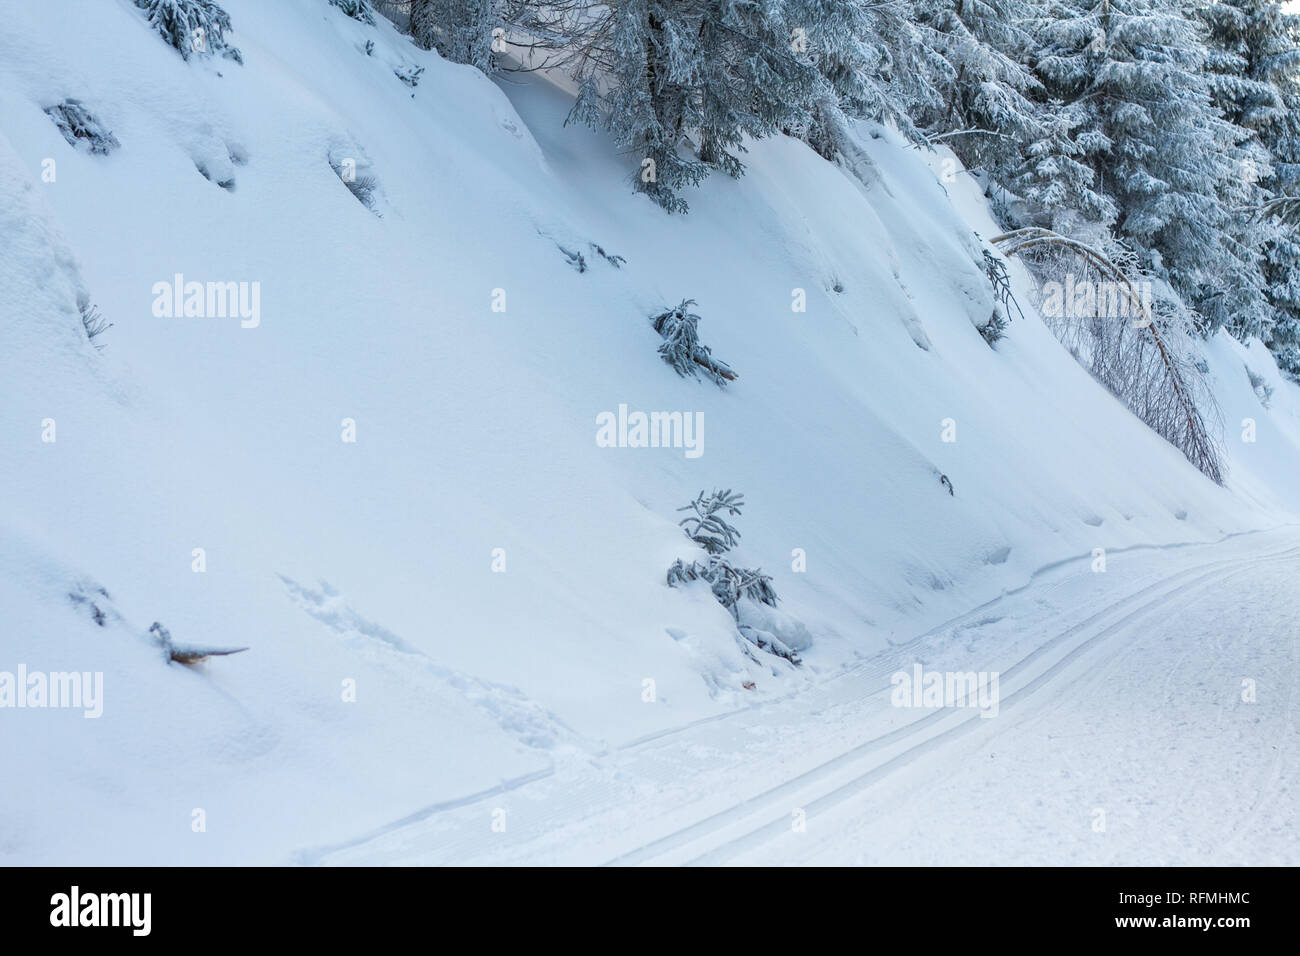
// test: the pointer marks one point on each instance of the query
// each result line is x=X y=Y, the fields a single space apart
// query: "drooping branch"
x=1195 y=441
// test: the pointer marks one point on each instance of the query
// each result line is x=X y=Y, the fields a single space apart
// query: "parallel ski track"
x=809 y=790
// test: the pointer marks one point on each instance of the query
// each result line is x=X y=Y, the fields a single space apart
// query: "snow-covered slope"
x=372 y=562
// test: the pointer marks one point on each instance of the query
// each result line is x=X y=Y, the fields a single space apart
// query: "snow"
x=371 y=561
x=1107 y=704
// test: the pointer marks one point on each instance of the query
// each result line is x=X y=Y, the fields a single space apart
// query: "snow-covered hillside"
x=485 y=577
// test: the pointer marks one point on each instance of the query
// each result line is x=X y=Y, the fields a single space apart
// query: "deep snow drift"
x=372 y=565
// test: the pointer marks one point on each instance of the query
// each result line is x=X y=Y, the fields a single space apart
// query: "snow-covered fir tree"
x=1282 y=251
x=984 y=87
x=460 y=30
x=866 y=60
x=1254 y=62
x=1054 y=180
x=1251 y=54
x=1134 y=71
x=661 y=71
x=1243 y=49
x=1145 y=116
x=644 y=105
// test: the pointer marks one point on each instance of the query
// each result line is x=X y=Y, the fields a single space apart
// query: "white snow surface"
x=521 y=696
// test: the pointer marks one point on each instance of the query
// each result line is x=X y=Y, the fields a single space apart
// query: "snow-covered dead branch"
x=1142 y=351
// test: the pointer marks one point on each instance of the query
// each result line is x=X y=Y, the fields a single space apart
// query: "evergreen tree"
x=460 y=30
x=867 y=62
x=1282 y=251
x=1054 y=179
x=659 y=73
x=1251 y=55
x=1255 y=63
x=681 y=83
x=1134 y=72
x=984 y=87
x=1242 y=53
x=661 y=70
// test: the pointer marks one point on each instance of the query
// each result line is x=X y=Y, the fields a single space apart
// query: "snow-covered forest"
x=542 y=431
x=1164 y=133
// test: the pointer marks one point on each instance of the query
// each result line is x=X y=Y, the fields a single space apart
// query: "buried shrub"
x=94 y=323
x=682 y=348
x=78 y=125
x=730 y=585
x=358 y=10
x=355 y=172
x=191 y=26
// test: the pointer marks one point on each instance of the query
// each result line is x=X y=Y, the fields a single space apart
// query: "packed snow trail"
x=338 y=485
x=1121 y=737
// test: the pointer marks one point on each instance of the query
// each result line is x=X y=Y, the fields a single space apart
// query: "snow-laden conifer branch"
x=682 y=348
x=1138 y=361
